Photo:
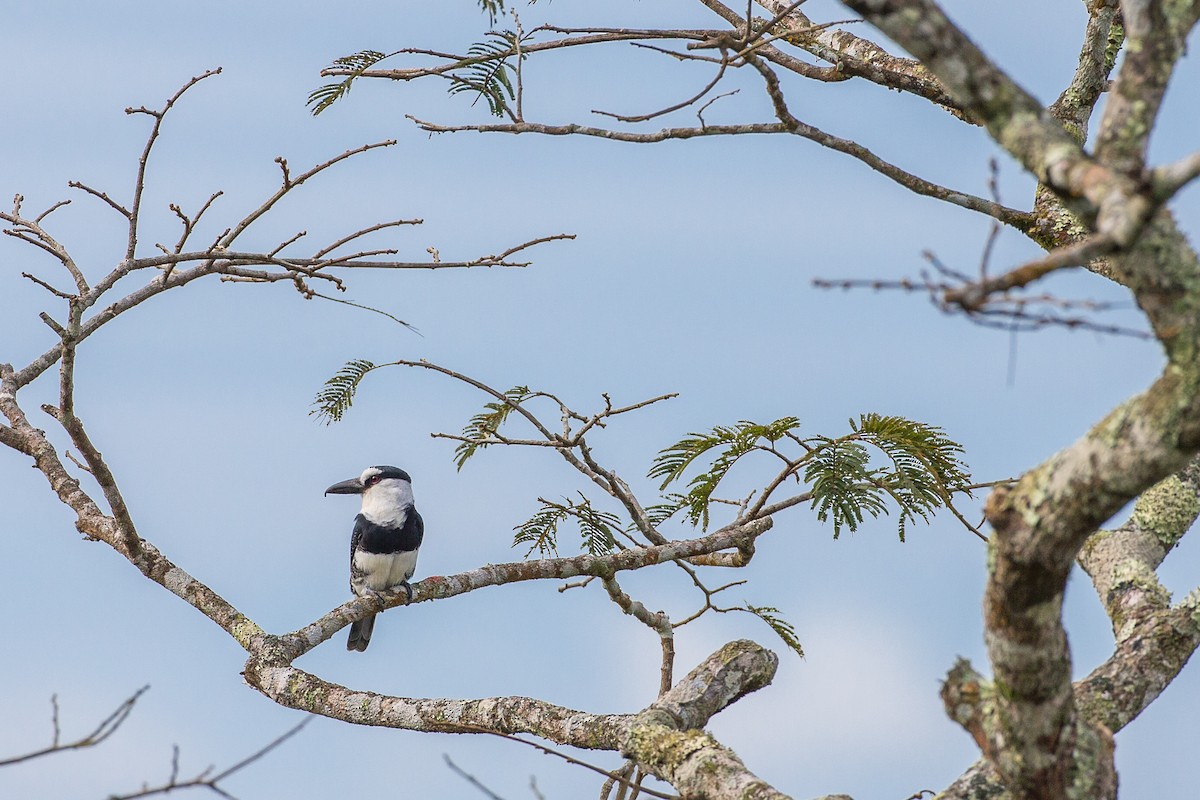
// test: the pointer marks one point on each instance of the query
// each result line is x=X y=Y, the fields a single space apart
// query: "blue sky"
x=691 y=273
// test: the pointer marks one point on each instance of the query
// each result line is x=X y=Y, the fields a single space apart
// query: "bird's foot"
x=408 y=590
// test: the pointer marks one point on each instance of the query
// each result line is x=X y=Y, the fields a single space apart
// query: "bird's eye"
x=371 y=481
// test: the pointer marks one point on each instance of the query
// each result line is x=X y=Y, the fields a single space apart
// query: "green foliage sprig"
x=659 y=513
x=337 y=395
x=325 y=96
x=481 y=430
x=774 y=617
x=485 y=71
x=921 y=468
x=731 y=442
x=540 y=531
x=924 y=470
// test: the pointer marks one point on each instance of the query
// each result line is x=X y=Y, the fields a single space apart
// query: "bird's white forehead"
x=368 y=473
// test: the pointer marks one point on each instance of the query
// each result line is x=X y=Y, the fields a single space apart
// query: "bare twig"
x=616 y=776
x=139 y=186
x=469 y=778
x=1019 y=219
x=289 y=183
x=189 y=223
x=677 y=106
x=106 y=728
x=113 y=204
x=973 y=296
x=205 y=779
x=56 y=292
x=359 y=233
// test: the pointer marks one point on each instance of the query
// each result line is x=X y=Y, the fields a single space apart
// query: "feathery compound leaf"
x=842 y=486
x=924 y=470
x=485 y=71
x=337 y=395
x=596 y=527
x=661 y=512
x=481 y=430
x=781 y=626
x=540 y=532
x=732 y=442
x=325 y=96
x=671 y=462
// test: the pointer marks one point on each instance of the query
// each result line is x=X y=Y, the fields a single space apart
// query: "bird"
x=387 y=534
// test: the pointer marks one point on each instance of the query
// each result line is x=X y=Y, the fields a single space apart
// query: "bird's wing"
x=414 y=527
x=360 y=523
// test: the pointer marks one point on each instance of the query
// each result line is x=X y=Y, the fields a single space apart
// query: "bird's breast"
x=380 y=571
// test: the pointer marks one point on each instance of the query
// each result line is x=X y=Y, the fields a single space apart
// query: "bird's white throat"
x=387 y=502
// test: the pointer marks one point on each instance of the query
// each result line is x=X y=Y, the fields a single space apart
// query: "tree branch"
x=1156 y=33
x=301 y=641
x=1016 y=218
x=206 y=780
x=139 y=185
x=1013 y=117
x=107 y=727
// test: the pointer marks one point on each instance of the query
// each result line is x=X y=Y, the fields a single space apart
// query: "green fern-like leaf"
x=730 y=442
x=482 y=428
x=843 y=487
x=781 y=626
x=596 y=527
x=484 y=72
x=923 y=468
x=661 y=512
x=325 y=96
x=337 y=395
x=540 y=531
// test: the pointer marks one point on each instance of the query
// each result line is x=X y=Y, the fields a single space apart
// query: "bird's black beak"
x=352 y=486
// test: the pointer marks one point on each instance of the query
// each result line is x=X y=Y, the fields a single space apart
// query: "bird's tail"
x=360 y=634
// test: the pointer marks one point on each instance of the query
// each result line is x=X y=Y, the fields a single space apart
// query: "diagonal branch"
x=107 y=727
x=856 y=56
x=290 y=183
x=301 y=641
x=1019 y=219
x=1101 y=39
x=1013 y=117
x=1156 y=33
x=206 y=780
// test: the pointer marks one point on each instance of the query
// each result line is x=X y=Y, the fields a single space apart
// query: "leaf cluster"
x=540 y=531
x=731 y=443
x=481 y=430
x=485 y=71
x=784 y=629
x=325 y=96
x=337 y=395
x=919 y=468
